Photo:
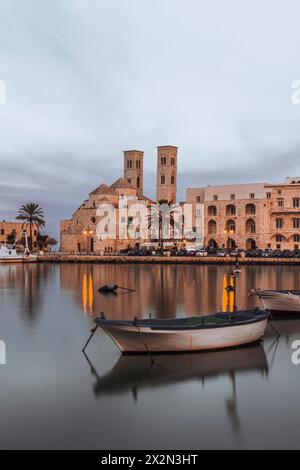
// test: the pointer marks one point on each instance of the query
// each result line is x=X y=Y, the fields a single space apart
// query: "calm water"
x=52 y=396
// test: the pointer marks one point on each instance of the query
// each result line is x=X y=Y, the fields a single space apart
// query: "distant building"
x=15 y=229
x=166 y=187
x=253 y=215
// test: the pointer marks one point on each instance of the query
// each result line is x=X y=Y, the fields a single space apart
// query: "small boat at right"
x=279 y=302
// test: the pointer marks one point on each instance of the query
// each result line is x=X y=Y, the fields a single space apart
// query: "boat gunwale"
x=179 y=325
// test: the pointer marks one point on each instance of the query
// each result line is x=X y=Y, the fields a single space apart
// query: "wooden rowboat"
x=218 y=331
x=279 y=302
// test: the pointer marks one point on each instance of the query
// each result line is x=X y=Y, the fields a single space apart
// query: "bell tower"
x=133 y=169
x=166 y=187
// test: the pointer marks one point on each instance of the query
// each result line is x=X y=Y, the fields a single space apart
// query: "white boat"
x=279 y=301
x=9 y=254
x=218 y=331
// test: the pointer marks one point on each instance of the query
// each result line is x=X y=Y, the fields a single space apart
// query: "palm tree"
x=33 y=215
x=156 y=220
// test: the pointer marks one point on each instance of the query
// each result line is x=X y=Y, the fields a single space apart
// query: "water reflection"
x=133 y=374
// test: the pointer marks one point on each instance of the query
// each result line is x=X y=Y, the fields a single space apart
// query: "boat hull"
x=280 y=302
x=131 y=339
x=18 y=260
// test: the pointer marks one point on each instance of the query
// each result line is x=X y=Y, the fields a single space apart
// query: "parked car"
x=267 y=253
x=201 y=253
x=288 y=254
x=278 y=254
x=222 y=253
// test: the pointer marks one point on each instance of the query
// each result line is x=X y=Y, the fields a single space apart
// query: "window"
x=269 y=195
x=163 y=161
x=250 y=226
x=215 y=198
x=296 y=202
x=230 y=210
x=280 y=202
x=172 y=179
x=212 y=227
x=252 y=196
x=232 y=197
x=129 y=180
x=198 y=199
x=279 y=238
x=297 y=238
x=2 y=231
x=199 y=212
x=163 y=180
x=250 y=209
x=138 y=164
x=279 y=192
x=230 y=226
x=138 y=182
x=296 y=223
x=173 y=161
x=279 y=224
x=212 y=211
x=129 y=164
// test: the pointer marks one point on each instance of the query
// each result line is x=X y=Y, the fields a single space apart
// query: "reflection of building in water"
x=167 y=291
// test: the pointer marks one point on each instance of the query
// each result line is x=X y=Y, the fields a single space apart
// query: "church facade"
x=80 y=233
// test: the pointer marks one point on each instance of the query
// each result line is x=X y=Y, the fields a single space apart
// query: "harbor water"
x=54 y=396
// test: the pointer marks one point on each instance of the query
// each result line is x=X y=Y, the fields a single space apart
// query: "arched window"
x=213 y=244
x=250 y=244
x=212 y=227
x=230 y=209
x=230 y=226
x=212 y=211
x=250 y=226
x=250 y=209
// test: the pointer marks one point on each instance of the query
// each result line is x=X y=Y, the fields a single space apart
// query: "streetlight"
x=88 y=232
x=228 y=232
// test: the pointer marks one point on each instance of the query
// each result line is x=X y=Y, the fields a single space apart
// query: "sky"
x=87 y=79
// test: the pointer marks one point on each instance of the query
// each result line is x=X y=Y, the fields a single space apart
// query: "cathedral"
x=79 y=234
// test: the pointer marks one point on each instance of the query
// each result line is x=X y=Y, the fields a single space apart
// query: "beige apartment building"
x=252 y=215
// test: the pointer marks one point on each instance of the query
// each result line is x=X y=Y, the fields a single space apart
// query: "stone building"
x=15 y=229
x=166 y=187
x=253 y=215
x=78 y=234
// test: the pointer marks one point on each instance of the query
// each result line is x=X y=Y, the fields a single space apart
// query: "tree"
x=11 y=237
x=50 y=242
x=157 y=219
x=32 y=214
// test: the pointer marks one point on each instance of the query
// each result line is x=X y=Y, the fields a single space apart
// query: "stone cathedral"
x=78 y=234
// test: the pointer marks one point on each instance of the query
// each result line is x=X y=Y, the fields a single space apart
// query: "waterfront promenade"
x=119 y=259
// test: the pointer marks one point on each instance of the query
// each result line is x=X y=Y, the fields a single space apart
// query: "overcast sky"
x=87 y=79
